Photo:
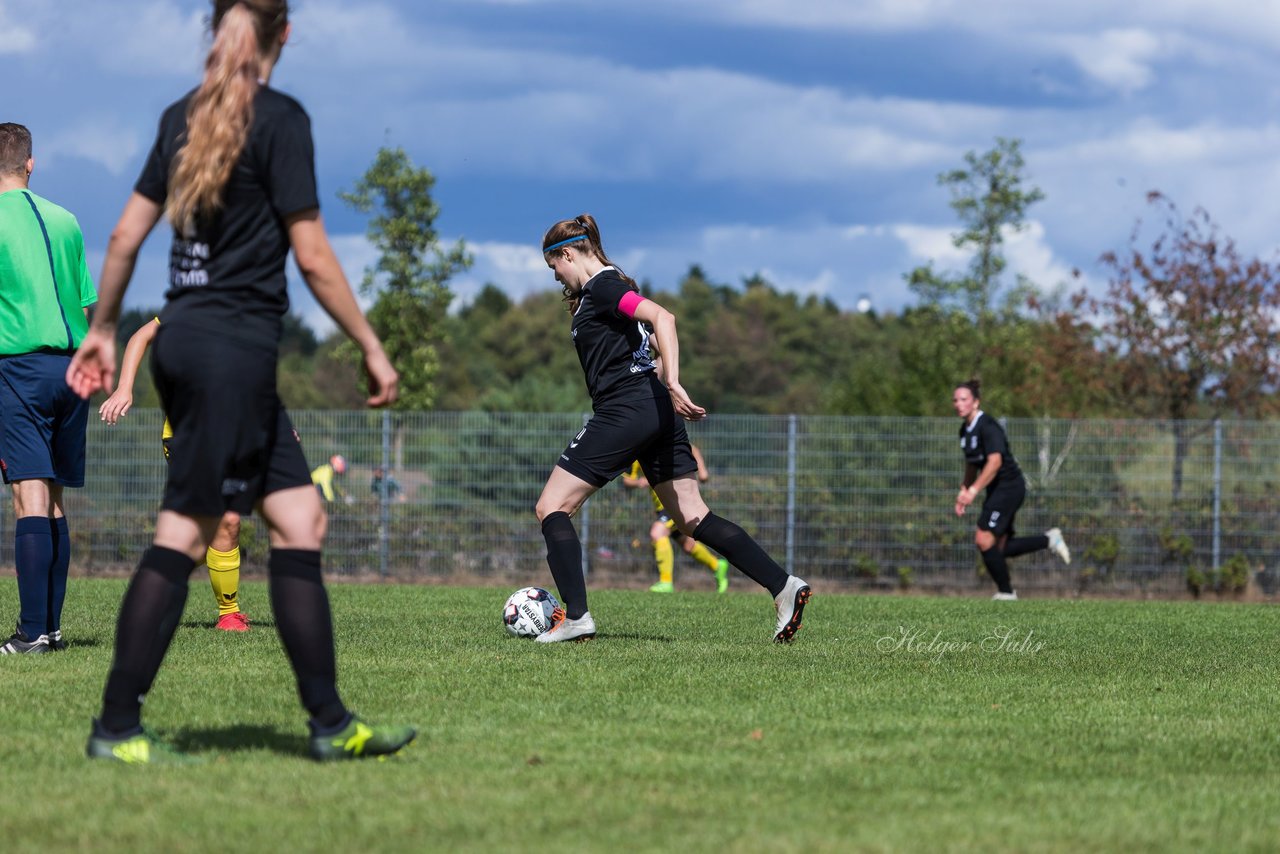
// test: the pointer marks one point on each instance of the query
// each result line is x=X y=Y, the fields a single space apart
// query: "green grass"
x=1136 y=726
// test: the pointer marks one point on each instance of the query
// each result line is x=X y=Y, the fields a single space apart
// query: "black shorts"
x=647 y=430
x=42 y=421
x=232 y=439
x=1000 y=507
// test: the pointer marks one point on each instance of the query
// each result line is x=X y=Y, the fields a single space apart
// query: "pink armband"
x=629 y=302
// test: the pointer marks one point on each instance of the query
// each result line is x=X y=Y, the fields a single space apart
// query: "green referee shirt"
x=44 y=280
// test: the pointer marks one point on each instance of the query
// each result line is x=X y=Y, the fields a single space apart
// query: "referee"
x=989 y=464
x=45 y=291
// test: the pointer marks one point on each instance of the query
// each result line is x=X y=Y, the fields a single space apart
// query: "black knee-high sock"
x=1025 y=545
x=564 y=556
x=149 y=616
x=742 y=551
x=993 y=559
x=301 y=609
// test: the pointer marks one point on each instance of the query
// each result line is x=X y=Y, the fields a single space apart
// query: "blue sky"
x=799 y=141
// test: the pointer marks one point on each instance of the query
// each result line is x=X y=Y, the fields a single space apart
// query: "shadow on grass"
x=239 y=737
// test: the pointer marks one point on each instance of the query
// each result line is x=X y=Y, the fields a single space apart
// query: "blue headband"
x=563 y=242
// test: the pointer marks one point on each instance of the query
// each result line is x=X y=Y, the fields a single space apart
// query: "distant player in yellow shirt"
x=664 y=530
x=322 y=476
x=223 y=555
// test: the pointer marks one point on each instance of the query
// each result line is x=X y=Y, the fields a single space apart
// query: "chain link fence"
x=1148 y=508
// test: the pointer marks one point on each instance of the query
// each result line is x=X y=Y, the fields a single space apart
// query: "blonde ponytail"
x=218 y=119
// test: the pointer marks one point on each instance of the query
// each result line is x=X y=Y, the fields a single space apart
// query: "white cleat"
x=790 y=606
x=1012 y=596
x=564 y=629
x=1057 y=545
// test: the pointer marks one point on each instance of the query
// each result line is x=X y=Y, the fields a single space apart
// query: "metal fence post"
x=384 y=529
x=1217 y=493
x=791 y=493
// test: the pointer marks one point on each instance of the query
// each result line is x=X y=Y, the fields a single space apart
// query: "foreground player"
x=636 y=416
x=663 y=531
x=233 y=170
x=989 y=463
x=223 y=555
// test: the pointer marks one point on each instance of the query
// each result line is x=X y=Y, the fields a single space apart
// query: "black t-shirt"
x=613 y=348
x=229 y=273
x=984 y=438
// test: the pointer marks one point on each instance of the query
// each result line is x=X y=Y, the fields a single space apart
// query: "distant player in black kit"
x=989 y=463
x=233 y=170
x=637 y=411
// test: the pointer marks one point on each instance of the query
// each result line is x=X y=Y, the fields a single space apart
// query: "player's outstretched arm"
x=93 y=367
x=118 y=404
x=324 y=276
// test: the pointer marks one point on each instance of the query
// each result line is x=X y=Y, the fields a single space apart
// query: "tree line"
x=1186 y=327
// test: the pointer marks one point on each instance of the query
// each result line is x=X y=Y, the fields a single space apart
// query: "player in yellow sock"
x=703 y=555
x=223 y=555
x=663 y=531
x=224 y=574
x=665 y=557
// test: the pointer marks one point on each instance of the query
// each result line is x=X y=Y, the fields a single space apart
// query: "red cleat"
x=237 y=622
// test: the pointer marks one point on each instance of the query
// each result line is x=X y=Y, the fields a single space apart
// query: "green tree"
x=1192 y=325
x=989 y=198
x=410 y=278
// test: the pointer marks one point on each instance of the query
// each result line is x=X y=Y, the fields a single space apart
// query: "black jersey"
x=230 y=271
x=983 y=438
x=613 y=348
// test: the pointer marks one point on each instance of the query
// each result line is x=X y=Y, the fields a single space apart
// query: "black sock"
x=993 y=559
x=301 y=609
x=149 y=615
x=564 y=556
x=1026 y=545
x=737 y=547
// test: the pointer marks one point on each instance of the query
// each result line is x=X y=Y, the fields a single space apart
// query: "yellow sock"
x=665 y=559
x=703 y=555
x=224 y=577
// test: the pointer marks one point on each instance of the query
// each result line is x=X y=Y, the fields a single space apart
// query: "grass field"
x=892 y=724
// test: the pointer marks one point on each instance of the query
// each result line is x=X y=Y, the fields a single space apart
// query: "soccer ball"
x=528 y=611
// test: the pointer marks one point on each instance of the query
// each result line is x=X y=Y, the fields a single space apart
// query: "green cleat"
x=141 y=748
x=663 y=587
x=722 y=575
x=358 y=740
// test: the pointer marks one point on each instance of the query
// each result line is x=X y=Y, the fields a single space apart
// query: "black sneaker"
x=56 y=642
x=21 y=644
x=359 y=739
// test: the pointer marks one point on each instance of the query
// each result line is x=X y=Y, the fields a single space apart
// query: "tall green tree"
x=410 y=281
x=991 y=200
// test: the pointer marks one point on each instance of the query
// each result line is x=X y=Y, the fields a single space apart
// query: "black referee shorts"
x=647 y=430
x=1000 y=507
x=232 y=439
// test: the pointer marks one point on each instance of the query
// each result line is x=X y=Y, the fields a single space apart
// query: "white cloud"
x=1120 y=59
x=100 y=140
x=14 y=37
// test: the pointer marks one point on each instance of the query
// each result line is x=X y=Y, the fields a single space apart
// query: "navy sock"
x=149 y=615
x=564 y=557
x=33 y=553
x=304 y=622
x=993 y=559
x=1025 y=545
x=742 y=551
x=58 y=575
